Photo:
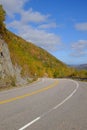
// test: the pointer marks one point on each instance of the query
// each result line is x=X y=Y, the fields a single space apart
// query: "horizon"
x=58 y=27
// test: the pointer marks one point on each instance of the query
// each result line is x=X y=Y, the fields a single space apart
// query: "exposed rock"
x=7 y=69
x=19 y=79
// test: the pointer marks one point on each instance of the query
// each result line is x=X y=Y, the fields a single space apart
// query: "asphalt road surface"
x=49 y=104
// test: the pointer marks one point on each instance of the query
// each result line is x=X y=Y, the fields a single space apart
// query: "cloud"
x=81 y=26
x=48 y=25
x=13 y=6
x=46 y=40
x=17 y=6
x=25 y=26
x=33 y=16
x=79 y=49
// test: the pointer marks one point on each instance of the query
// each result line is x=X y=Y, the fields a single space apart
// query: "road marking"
x=66 y=99
x=29 y=94
x=30 y=123
x=60 y=104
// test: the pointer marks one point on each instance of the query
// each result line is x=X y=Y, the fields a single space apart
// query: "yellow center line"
x=29 y=94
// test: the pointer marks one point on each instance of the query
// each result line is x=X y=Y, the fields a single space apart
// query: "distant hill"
x=80 y=67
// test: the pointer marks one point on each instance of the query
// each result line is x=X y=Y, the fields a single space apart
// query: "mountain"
x=80 y=67
x=33 y=60
x=22 y=61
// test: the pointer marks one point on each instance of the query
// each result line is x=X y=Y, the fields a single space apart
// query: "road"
x=48 y=104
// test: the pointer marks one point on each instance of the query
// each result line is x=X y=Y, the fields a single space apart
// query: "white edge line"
x=66 y=99
x=30 y=123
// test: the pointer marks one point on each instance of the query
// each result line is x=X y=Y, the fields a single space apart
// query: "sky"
x=58 y=26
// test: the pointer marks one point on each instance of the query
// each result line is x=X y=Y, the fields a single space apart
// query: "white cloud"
x=33 y=16
x=80 y=45
x=16 y=6
x=13 y=6
x=39 y=36
x=79 y=48
x=49 y=25
x=49 y=41
x=81 y=26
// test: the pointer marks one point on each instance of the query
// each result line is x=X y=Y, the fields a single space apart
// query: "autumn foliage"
x=34 y=61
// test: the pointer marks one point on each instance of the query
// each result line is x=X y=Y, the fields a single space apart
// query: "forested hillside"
x=34 y=61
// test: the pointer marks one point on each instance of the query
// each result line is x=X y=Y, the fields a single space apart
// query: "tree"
x=2 y=16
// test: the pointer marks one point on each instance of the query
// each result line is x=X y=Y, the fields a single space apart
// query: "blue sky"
x=59 y=26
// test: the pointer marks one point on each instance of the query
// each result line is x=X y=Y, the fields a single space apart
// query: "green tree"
x=2 y=16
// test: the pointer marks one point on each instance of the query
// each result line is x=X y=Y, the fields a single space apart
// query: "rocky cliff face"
x=7 y=69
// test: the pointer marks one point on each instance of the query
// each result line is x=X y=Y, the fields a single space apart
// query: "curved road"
x=48 y=104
